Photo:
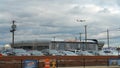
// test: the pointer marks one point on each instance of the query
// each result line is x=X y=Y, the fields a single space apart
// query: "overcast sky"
x=44 y=19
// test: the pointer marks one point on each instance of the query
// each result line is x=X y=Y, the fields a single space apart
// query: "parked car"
x=115 y=53
x=9 y=52
x=102 y=53
x=35 y=53
x=68 y=53
x=95 y=53
x=84 y=53
x=74 y=50
x=3 y=53
x=111 y=52
x=20 y=52
x=50 y=52
x=106 y=53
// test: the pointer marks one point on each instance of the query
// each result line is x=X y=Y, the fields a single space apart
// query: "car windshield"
x=53 y=51
x=70 y=53
x=36 y=52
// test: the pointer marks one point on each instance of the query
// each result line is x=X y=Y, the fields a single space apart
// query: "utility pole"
x=80 y=36
x=54 y=38
x=108 y=38
x=12 y=31
x=85 y=36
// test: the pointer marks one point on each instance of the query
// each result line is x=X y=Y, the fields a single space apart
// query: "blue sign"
x=30 y=64
x=119 y=62
x=113 y=61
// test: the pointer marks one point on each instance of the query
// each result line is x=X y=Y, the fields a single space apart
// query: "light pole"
x=85 y=32
x=80 y=36
x=12 y=31
x=83 y=48
x=108 y=37
x=118 y=49
x=85 y=36
x=54 y=38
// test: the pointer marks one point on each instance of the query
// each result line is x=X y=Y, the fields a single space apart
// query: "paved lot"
x=93 y=67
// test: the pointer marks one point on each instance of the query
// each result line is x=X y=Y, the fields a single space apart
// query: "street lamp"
x=83 y=48
x=13 y=29
x=108 y=38
x=80 y=20
x=85 y=32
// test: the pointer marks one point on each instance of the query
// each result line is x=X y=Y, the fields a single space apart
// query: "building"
x=59 y=45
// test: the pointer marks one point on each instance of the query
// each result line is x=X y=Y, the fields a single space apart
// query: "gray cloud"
x=48 y=18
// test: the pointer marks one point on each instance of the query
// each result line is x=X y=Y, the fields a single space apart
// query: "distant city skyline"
x=46 y=19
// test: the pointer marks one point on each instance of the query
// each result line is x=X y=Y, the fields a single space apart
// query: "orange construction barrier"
x=47 y=63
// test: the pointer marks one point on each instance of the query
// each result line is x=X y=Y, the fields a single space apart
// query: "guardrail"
x=61 y=61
